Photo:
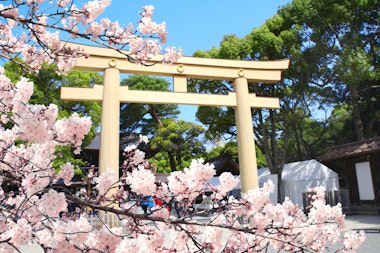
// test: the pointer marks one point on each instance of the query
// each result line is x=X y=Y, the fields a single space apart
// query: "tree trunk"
x=172 y=161
x=298 y=140
x=358 y=123
x=275 y=157
x=264 y=143
x=159 y=122
x=371 y=122
x=155 y=116
x=179 y=160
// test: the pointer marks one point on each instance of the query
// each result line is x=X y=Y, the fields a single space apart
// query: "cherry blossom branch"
x=143 y=41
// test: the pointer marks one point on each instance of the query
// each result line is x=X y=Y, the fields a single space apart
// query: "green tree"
x=341 y=37
x=340 y=122
x=175 y=142
x=231 y=148
x=179 y=143
x=272 y=127
x=144 y=118
x=334 y=51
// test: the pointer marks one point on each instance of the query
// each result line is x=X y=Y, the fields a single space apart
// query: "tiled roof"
x=124 y=141
x=351 y=149
x=224 y=163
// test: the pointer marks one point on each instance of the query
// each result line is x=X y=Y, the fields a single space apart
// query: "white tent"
x=300 y=177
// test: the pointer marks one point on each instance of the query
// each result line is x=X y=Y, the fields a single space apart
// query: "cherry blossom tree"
x=36 y=209
x=33 y=29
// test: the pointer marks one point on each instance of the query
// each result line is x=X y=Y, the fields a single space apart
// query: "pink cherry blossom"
x=180 y=239
x=21 y=232
x=45 y=46
x=227 y=182
x=143 y=139
x=105 y=181
x=105 y=239
x=66 y=173
x=33 y=184
x=52 y=203
x=63 y=3
x=142 y=181
x=353 y=240
x=126 y=246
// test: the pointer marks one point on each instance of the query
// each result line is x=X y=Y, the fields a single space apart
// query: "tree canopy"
x=145 y=118
x=331 y=84
x=174 y=142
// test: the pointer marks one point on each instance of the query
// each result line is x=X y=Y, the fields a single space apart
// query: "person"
x=150 y=203
x=144 y=205
x=178 y=208
x=147 y=204
x=158 y=202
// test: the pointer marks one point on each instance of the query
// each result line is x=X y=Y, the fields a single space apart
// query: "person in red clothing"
x=159 y=203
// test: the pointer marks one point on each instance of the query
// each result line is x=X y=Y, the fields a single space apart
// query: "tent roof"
x=301 y=171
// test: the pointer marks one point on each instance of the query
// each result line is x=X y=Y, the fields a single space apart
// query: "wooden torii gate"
x=112 y=63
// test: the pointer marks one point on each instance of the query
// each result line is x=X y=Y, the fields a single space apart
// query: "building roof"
x=357 y=148
x=224 y=163
x=95 y=143
x=124 y=141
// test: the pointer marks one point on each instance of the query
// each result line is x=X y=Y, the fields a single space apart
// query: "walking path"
x=362 y=222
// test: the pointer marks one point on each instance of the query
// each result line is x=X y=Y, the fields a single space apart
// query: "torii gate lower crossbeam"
x=111 y=94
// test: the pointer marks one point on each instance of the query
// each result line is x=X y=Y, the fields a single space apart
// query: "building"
x=90 y=154
x=358 y=166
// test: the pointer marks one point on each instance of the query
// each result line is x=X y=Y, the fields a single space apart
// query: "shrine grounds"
x=370 y=224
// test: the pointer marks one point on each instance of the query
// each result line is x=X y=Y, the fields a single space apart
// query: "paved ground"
x=370 y=224
x=364 y=222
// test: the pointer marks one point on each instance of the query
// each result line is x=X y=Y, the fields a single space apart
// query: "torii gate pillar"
x=110 y=124
x=245 y=138
x=111 y=94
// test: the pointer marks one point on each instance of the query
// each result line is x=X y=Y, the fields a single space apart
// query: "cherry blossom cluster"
x=35 y=30
x=192 y=181
x=105 y=181
x=29 y=137
x=250 y=223
x=66 y=173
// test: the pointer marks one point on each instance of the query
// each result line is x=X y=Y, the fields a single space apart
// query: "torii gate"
x=111 y=94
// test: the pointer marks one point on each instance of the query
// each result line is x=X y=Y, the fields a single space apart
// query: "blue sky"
x=198 y=24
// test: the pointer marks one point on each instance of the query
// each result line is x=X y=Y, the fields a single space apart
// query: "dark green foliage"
x=176 y=142
x=330 y=94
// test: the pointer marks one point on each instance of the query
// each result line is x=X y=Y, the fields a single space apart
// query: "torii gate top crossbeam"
x=190 y=67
